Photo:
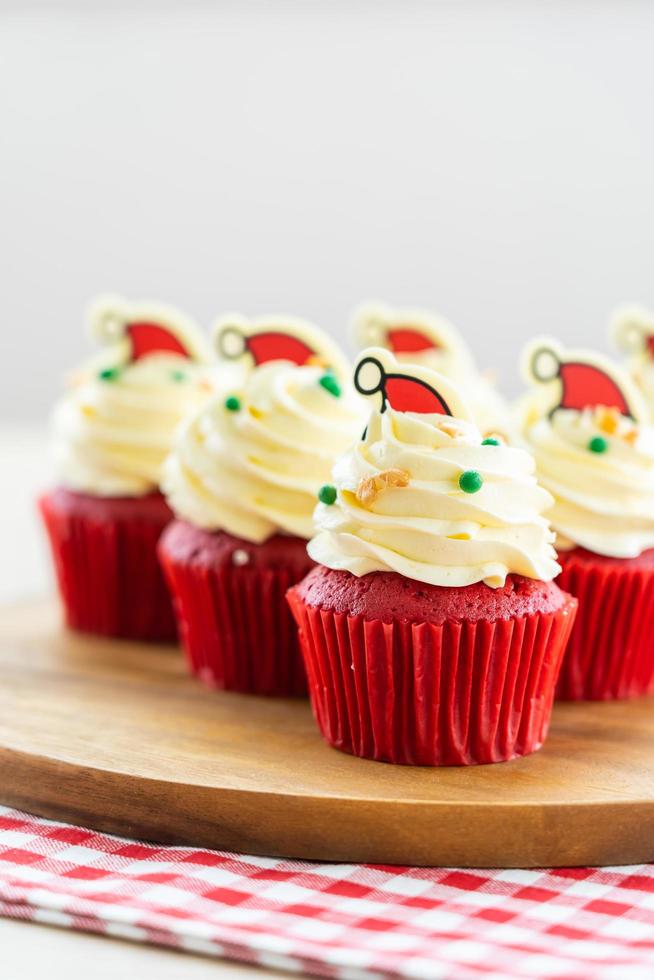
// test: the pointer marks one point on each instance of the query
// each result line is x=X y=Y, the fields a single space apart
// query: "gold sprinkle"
x=493 y=434
x=450 y=429
x=88 y=411
x=317 y=361
x=366 y=491
x=631 y=437
x=370 y=486
x=608 y=419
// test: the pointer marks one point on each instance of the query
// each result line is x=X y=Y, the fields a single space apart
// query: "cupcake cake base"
x=405 y=672
x=105 y=557
x=229 y=596
x=611 y=649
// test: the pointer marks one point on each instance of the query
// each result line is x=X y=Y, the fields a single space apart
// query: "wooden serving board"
x=116 y=736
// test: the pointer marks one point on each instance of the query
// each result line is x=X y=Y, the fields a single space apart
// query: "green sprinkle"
x=598 y=444
x=330 y=384
x=470 y=481
x=232 y=404
x=490 y=442
x=178 y=375
x=109 y=374
x=327 y=494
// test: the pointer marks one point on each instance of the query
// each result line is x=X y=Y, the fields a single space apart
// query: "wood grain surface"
x=116 y=736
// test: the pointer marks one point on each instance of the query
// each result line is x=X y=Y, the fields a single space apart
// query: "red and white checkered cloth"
x=333 y=920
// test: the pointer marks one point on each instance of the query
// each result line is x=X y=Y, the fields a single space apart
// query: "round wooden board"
x=116 y=736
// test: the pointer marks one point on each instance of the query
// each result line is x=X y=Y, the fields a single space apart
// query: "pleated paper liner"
x=436 y=695
x=234 y=621
x=611 y=649
x=105 y=556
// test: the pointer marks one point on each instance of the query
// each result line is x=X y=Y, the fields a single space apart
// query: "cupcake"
x=418 y=337
x=431 y=629
x=632 y=330
x=587 y=428
x=111 y=433
x=243 y=481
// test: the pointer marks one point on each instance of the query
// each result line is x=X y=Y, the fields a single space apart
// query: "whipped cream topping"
x=114 y=427
x=400 y=506
x=604 y=501
x=252 y=462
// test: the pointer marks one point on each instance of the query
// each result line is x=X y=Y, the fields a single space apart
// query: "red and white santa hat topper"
x=632 y=331
x=407 y=387
x=146 y=329
x=406 y=333
x=277 y=338
x=581 y=379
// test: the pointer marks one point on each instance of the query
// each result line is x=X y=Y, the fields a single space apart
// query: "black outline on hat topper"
x=112 y=320
x=231 y=330
x=632 y=331
x=373 y=322
x=545 y=360
x=385 y=376
x=235 y=336
x=387 y=369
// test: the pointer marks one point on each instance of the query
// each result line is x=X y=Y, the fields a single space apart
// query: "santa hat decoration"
x=277 y=339
x=406 y=388
x=586 y=380
x=145 y=329
x=409 y=340
x=632 y=330
x=403 y=332
x=150 y=338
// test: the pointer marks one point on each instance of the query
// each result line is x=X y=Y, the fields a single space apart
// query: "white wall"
x=493 y=160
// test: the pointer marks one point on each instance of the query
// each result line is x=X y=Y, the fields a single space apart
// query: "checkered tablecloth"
x=333 y=920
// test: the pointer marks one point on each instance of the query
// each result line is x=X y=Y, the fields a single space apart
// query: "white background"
x=491 y=159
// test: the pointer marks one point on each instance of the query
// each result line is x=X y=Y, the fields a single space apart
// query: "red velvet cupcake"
x=243 y=481
x=594 y=451
x=431 y=631
x=616 y=609
x=233 y=621
x=112 y=433
x=403 y=671
x=105 y=557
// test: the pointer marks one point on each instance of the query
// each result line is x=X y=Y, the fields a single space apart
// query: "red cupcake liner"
x=235 y=625
x=433 y=695
x=105 y=558
x=611 y=650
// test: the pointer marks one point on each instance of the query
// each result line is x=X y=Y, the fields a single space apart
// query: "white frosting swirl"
x=604 y=501
x=110 y=436
x=431 y=530
x=256 y=470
